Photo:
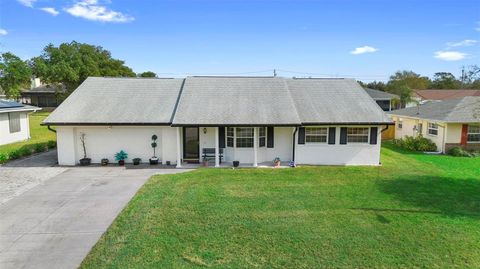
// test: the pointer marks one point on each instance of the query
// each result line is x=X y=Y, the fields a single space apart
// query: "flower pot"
x=121 y=162
x=277 y=164
x=236 y=163
x=136 y=161
x=104 y=162
x=85 y=161
x=153 y=160
x=205 y=163
x=168 y=162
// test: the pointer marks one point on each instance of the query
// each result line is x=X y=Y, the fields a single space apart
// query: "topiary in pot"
x=154 y=159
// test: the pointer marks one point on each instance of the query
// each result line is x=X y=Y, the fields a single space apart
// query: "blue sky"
x=368 y=40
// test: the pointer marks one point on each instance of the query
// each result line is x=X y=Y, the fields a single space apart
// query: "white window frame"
x=358 y=135
x=473 y=133
x=232 y=136
x=262 y=137
x=14 y=123
x=432 y=126
x=239 y=135
x=311 y=129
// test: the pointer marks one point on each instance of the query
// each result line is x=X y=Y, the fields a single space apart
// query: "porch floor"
x=230 y=165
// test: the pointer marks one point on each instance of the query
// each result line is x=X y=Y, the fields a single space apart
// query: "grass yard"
x=414 y=211
x=38 y=133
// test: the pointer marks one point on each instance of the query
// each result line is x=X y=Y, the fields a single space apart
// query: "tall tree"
x=15 y=74
x=400 y=88
x=71 y=63
x=147 y=74
x=411 y=79
x=445 y=80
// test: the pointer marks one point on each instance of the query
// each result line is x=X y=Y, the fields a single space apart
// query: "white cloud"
x=50 y=10
x=450 y=55
x=3 y=32
x=362 y=50
x=91 y=10
x=463 y=43
x=27 y=3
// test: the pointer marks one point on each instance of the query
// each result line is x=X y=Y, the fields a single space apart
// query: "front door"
x=191 y=145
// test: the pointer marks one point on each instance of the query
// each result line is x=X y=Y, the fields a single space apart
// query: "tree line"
x=66 y=66
x=402 y=83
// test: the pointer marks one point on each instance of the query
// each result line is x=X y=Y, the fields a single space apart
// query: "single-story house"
x=423 y=96
x=449 y=123
x=383 y=99
x=247 y=119
x=14 y=125
x=42 y=95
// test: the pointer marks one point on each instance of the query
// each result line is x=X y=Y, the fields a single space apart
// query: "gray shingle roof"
x=235 y=101
x=119 y=101
x=218 y=101
x=10 y=106
x=334 y=101
x=466 y=109
x=380 y=95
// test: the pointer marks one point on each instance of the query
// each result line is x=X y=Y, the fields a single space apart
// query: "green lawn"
x=414 y=211
x=38 y=133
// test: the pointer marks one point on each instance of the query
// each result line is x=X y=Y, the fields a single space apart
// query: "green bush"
x=40 y=147
x=418 y=143
x=51 y=144
x=3 y=158
x=459 y=152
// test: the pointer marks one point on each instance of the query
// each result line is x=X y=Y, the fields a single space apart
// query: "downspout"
x=50 y=129
x=293 y=140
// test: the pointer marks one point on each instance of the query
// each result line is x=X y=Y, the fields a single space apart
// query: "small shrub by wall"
x=418 y=143
x=460 y=152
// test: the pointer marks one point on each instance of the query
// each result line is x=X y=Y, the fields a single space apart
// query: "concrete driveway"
x=55 y=223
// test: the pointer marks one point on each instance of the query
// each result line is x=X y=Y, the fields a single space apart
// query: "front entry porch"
x=251 y=146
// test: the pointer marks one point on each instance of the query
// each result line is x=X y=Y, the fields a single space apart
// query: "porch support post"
x=255 y=141
x=179 y=148
x=390 y=105
x=217 y=150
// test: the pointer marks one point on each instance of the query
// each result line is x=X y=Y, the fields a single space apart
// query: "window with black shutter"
x=331 y=135
x=270 y=135
x=343 y=135
x=301 y=135
x=373 y=135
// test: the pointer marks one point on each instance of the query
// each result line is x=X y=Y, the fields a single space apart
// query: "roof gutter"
x=104 y=124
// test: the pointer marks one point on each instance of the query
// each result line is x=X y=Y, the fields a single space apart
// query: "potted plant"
x=154 y=159
x=205 y=162
x=120 y=157
x=84 y=161
x=276 y=162
x=236 y=163
x=104 y=161
x=136 y=161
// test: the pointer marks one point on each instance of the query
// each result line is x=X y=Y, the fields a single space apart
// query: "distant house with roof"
x=252 y=120
x=423 y=96
x=14 y=125
x=448 y=123
x=42 y=95
x=383 y=99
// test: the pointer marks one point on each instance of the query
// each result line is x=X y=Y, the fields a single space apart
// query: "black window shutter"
x=301 y=135
x=331 y=135
x=373 y=135
x=343 y=135
x=270 y=135
x=221 y=136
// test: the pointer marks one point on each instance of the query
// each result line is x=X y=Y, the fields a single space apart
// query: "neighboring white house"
x=250 y=119
x=14 y=125
x=448 y=123
x=424 y=96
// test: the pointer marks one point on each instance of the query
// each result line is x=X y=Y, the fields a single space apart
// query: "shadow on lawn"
x=435 y=195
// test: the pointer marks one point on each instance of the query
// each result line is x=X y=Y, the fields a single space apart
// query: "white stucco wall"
x=349 y=154
x=104 y=142
x=6 y=137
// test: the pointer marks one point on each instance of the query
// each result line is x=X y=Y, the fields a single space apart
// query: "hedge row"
x=27 y=150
